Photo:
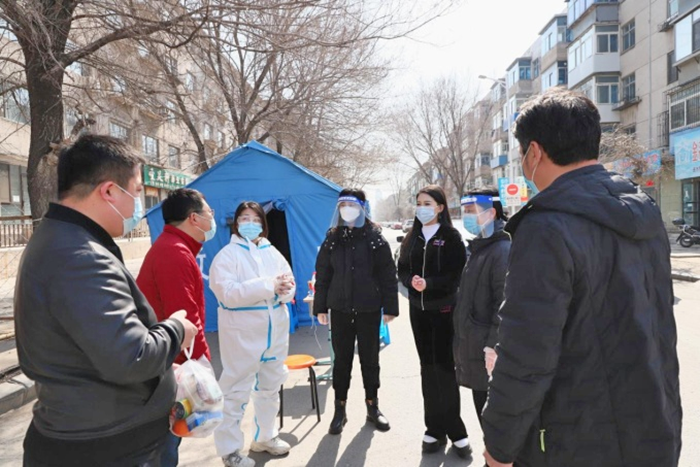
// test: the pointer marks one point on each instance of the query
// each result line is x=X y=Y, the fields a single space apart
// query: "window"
x=149 y=146
x=629 y=88
x=562 y=77
x=173 y=156
x=189 y=81
x=607 y=89
x=486 y=159
x=78 y=69
x=685 y=107
x=171 y=109
x=696 y=33
x=118 y=131
x=607 y=39
x=535 y=68
x=15 y=104
x=525 y=70
x=13 y=190
x=220 y=139
x=672 y=70
x=672 y=8
x=582 y=49
x=628 y=40
x=207 y=131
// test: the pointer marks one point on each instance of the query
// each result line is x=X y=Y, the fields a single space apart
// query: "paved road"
x=400 y=399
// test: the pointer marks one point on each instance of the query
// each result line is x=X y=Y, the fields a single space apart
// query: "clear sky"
x=478 y=37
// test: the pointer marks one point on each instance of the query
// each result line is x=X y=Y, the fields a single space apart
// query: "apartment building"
x=103 y=104
x=683 y=102
x=542 y=66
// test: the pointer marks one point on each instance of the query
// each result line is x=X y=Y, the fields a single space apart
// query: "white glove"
x=490 y=357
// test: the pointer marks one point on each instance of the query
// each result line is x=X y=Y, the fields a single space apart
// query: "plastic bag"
x=198 y=409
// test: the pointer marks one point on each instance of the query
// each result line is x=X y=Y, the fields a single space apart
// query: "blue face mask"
x=471 y=224
x=250 y=230
x=425 y=214
x=130 y=223
x=211 y=233
x=530 y=183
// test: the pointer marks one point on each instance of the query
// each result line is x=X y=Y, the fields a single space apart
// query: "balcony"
x=598 y=63
x=627 y=103
x=499 y=161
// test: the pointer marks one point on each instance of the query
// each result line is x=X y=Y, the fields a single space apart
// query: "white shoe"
x=236 y=459
x=276 y=446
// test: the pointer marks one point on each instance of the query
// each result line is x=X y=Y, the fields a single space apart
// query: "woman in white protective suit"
x=252 y=282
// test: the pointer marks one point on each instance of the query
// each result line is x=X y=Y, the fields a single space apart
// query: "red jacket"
x=171 y=280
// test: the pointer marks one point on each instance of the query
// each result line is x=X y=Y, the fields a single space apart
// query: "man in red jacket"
x=171 y=279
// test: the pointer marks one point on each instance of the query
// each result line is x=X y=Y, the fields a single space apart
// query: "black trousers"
x=345 y=329
x=479 y=403
x=433 y=332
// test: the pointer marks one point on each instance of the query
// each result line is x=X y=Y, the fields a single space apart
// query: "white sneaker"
x=276 y=446
x=236 y=459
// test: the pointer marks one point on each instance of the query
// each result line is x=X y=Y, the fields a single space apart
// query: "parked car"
x=396 y=225
x=407 y=225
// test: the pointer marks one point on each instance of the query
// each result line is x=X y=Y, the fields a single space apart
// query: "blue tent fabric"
x=254 y=172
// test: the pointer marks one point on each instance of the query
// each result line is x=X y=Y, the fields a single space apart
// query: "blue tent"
x=299 y=206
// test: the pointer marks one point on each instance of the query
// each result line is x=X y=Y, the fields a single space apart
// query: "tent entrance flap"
x=278 y=234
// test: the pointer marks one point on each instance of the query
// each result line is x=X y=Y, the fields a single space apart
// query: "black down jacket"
x=476 y=312
x=587 y=370
x=355 y=272
x=439 y=262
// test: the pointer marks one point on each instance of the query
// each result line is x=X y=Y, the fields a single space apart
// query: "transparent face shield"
x=478 y=214
x=349 y=212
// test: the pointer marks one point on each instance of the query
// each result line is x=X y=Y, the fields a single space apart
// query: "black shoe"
x=375 y=416
x=435 y=446
x=339 y=419
x=464 y=452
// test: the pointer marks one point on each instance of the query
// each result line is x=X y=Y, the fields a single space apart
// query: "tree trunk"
x=46 y=112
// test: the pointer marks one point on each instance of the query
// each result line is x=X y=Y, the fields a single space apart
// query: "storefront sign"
x=650 y=162
x=164 y=178
x=685 y=146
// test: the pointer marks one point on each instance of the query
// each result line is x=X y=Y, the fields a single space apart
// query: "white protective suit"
x=253 y=337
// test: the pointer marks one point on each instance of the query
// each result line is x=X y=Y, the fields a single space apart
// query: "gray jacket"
x=87 y=336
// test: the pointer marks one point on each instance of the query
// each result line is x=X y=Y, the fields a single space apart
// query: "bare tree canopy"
x=296 y=71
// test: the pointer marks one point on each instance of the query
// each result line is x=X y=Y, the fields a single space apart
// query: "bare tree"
x=443 y=130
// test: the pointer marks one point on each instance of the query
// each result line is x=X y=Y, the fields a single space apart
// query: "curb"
x=681 y=276
x=15 y=392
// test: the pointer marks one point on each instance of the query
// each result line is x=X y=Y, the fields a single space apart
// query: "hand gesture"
x=490 y=357
x=388 y=319
x=323 y=319
x=190 y=329
x=284 y=284
x=418 y=283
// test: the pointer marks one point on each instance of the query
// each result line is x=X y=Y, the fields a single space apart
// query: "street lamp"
x=501 y=81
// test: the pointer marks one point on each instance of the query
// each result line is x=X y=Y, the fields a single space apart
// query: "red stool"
x=299 y=362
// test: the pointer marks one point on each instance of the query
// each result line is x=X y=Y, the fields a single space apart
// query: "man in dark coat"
x=587 y=370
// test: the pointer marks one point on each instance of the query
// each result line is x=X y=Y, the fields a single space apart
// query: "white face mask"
x=349 y=213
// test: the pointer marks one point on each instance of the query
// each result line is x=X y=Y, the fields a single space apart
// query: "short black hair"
x=497 y=205
x=180 y=204
x=565 y=123
x=95 y=159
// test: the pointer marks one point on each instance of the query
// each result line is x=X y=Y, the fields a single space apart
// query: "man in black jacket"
x=85 y=333
x=587 y=371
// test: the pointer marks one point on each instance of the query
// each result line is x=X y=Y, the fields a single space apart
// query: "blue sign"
x=502 y=184
x=685 y=146
x=627 y=166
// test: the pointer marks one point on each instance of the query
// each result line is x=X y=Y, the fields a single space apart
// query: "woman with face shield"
x=253 y=283
x=355 y=282
x=480 y=292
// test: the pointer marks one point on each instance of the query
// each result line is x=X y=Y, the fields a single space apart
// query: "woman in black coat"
x=355 y=281
x=430 y=264
x=480 y=292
